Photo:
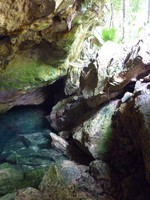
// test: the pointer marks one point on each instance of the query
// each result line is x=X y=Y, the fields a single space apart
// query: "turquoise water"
x=21 y=120
x=25 y=148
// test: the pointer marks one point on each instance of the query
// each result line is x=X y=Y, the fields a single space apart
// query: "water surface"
x=21 y=120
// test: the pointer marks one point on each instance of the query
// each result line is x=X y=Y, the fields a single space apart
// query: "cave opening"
x=74 y=90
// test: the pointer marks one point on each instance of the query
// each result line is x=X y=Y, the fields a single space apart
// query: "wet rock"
x=19 y=123
x=68 y=180
x=33 y=154
x=32 y=150
x=77 y=177
x=71 y=172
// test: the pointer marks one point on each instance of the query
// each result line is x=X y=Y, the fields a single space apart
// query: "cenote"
x=22 y=120
x=25 y=147
x=26 y=151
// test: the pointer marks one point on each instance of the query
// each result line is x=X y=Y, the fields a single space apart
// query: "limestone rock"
x=66 y=113
x=92 y=134
x=59 y=142
x=134 y=116
x=11 y=98
x=106 y=75
x=28 y=193
x=67 y=180
x=36 y=38
x=60 y=182
x=19 y=13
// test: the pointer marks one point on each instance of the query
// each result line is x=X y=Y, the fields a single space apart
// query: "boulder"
x=28 y=193
x=94 y=134
x=60 y=182
x=99 y=170
x=66 y=113
x=59 y=142
x=69 y=181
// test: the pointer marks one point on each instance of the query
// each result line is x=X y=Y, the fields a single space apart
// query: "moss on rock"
x=13 y=177
x=33 y=68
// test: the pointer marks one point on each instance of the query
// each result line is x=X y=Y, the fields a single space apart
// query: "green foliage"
x=117 y=4
x=135 y=5
x=108 y=34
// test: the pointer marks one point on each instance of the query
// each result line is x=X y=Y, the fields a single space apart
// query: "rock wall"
x=109 y=117
x=107 y=94
x=35 y=42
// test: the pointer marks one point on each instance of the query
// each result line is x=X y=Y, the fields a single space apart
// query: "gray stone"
x=99 y=170
x=59 y=142
x=92 y=136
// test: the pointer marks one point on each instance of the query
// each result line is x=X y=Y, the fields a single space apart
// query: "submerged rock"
x=10 y=176
x=21 y=120
x=29 y=155
x=32 y=150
